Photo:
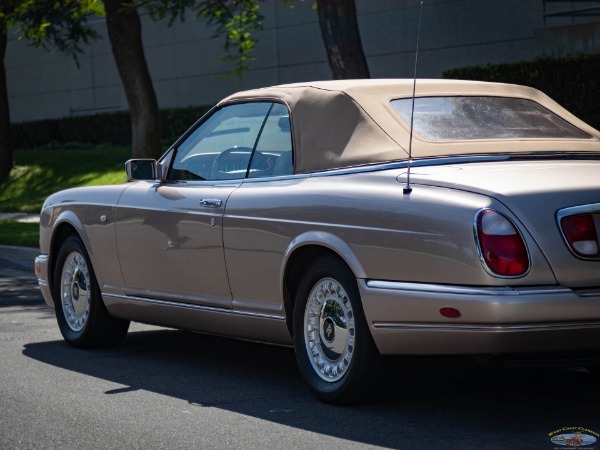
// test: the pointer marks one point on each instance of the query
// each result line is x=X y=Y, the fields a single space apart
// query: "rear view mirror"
x=140 y=169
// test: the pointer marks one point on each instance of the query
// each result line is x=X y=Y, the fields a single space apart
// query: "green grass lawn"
x=17 y=233
x=40 y=172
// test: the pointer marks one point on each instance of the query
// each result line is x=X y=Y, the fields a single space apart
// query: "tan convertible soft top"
x=351 y=122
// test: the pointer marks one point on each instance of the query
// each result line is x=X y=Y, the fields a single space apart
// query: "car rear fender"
x=326 y=240
x=301 y=251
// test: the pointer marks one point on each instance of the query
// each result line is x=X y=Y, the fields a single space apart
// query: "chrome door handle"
x=211 y=202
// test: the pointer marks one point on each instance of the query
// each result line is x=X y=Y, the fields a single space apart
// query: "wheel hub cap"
x=329 y=329
x=75 y=289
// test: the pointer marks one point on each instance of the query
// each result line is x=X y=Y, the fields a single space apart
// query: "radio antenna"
x=407 y=189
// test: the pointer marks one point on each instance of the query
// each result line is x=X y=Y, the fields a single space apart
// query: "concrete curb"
x=20 y=217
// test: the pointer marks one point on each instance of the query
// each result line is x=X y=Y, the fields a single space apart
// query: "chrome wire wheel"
x=329 y=330
x=82 y=316
x=75 y=291
x=335 y=351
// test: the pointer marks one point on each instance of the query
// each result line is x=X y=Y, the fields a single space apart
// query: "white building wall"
x=184 y=60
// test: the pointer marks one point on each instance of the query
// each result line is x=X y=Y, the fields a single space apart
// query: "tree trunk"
x=6 y=154
x=125 y=34
x=339 y=28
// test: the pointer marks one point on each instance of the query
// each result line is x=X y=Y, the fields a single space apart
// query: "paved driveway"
x=173 y=389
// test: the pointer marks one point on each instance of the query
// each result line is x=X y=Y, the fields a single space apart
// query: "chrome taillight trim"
x=592 y=208
x=488 y=270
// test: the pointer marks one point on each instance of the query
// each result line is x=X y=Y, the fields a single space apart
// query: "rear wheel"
x=82 y=317
x=334 y=348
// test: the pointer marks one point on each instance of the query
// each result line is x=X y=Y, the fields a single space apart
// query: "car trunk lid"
x=535 y=191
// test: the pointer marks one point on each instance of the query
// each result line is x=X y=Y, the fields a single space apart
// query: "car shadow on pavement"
x=19 y=289
x=423 y=402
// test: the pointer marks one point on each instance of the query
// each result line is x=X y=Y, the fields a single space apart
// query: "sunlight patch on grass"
x=41 y=172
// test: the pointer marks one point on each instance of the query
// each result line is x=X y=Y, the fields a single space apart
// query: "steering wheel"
x=232 y=163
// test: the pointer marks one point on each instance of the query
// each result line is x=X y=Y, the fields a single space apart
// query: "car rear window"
x=459 y=118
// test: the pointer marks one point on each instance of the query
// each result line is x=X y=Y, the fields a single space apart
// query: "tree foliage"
x=43 y=23
x=60 y=24
x=63 y=25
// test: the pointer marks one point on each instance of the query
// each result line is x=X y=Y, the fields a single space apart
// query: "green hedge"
x=110 y=128
x=573 y=81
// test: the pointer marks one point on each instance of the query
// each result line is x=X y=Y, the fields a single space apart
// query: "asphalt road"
x=167 y=389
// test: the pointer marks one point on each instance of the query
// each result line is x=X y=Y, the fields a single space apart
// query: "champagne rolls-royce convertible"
x=350 y=220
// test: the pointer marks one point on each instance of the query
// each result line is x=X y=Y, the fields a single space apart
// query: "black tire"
x=343 y=334
x=81 y=314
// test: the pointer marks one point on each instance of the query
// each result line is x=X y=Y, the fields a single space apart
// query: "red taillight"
x=580 y=232
x=502 y=247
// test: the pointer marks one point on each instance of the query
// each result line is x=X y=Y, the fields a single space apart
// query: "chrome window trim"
x=203 y=183
x=293 y=176
x=465 y=290
x=592 y=208
x=488 y=270
x=403 y=164
x=447 y=160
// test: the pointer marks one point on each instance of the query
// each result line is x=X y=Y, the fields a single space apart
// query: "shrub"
x=107 y=128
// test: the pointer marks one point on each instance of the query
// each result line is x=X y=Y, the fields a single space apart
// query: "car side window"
x=221 y=147
x=273 y=154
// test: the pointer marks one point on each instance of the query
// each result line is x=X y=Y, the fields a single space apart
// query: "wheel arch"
x=301 y=252
x=63 y=228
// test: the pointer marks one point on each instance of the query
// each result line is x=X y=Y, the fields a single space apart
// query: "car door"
x=257 y=226
x=169 y=232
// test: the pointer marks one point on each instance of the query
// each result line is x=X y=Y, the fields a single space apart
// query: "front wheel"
x=334 y=348
x=82 y=317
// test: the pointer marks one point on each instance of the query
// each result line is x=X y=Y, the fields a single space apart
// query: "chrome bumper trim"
x=41 y=272
x=192 y=306
x=464 y=290
x=40 y=262
x=487 y=328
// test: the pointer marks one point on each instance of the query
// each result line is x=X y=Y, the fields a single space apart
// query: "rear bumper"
x=41 y=271
x=405 y=318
